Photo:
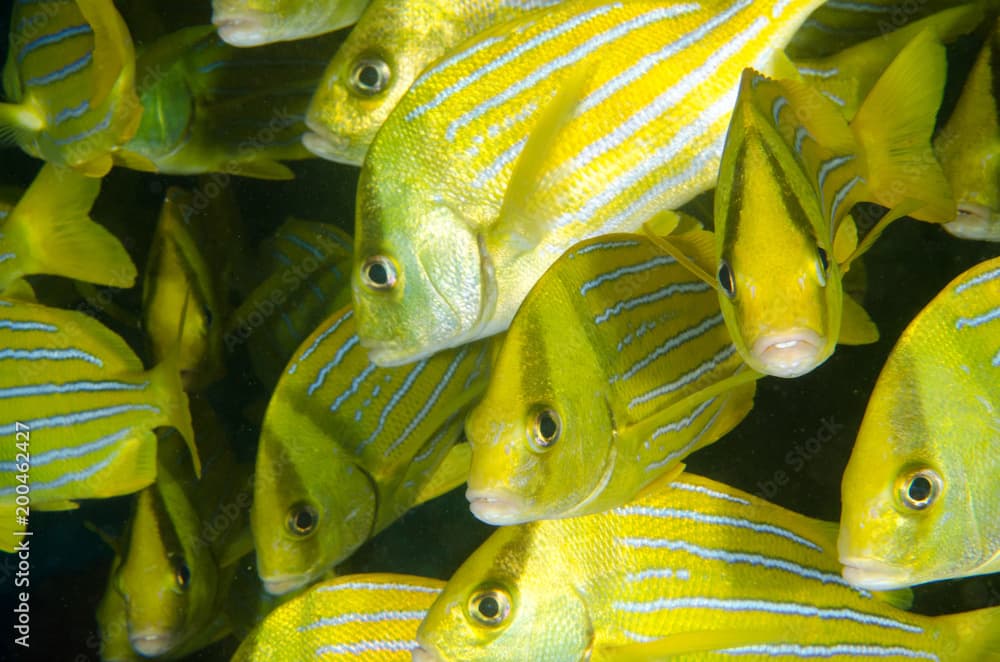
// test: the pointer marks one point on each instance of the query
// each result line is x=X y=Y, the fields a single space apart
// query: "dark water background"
x=791 y=449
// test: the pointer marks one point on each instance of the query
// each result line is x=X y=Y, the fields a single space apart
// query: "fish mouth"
x=241 y=29
x=329 y=148
x=873 y=574
x=788 y=354
x=421 y=654
x=497 y=506
x=974 y=221
x=151 y=643
x=283 y=584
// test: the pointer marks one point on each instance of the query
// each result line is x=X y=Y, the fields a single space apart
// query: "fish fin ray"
x=694 y=249
x=856 y=327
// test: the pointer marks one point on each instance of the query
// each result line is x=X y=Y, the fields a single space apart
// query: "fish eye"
x=369 y=76
x=919 y=489
x=489 y=607
x=824 y=260
x=726 y=279
x=378 y=273
x=302 y=519
x=545 y=428
x=182 y=574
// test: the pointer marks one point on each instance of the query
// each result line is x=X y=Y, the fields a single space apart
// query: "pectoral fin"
x=856 y=327
x=452 y=472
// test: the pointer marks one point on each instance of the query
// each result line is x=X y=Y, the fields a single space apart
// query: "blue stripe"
x=306 y=246
x=69 y=387
x=72 y=452
x=432 y=445
x=365 y=617
x=316 y=343
x=334 y=362
x=779 y=103
x=801 y=134
x=83 y=135
x=978 y=280
x=73 y=477
x=603 y=246
x=71 y=113
x=49 y=355
x=79 y=418
x=827 y=167
x=64 y=72
x=7 y=256
x=393 y=401
x=355 y=384
x=864 y=651
x=660 y=261
x=367 y=646
x=54 y=38
x=699 y=489
x=838 y=199
x=651 y=297
x=12 y=325
x=711 y=364
x=973 y=322
x=672 y=343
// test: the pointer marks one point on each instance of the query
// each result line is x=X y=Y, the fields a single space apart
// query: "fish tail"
x=61 y=237
x=167 y=377
x=894 y=127
x=978 y=634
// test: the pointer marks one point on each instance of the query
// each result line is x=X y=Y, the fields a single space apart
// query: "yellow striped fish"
x=645 y=94
x=921 y=499
x=969 y=148
x=211 y=107
x=257 y=22
x=363 y=618
x=696 y=570
x=347 y=447
x=617 y=366
x=69 y=79
x=308 y=265
x=49 y=231
x=392 y=43
x=78 y=396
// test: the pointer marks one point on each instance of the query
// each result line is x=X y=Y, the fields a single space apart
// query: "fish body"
x=80 y=397
x=258 y=22
x=48 y=231
x=791 y=172
x=347 y=447
x=695 y=570
x=366 y=618
x=920 y=492
x=308 y=266
x=211 y=107
x=969 y=148
x=393 y=42
x=69 y=83
x=615 y=350
x=483 y=175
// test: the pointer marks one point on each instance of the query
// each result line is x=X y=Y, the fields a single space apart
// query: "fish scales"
x=673 y=65
x=694 y=558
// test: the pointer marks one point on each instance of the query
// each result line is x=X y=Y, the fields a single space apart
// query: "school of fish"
x=587 y=236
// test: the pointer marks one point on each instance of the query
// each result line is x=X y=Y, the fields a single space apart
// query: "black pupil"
x=489 y=607
x=726 y=277
x=920 y=489
x=378 y=274
x=546 y=426
x=303 y=520
x=183 y=574
x=369 y=76
x=823 y=259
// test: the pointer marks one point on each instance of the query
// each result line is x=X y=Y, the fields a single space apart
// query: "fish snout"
x=873 y=574
x=327 y=146
x=240 y=28
x=283 y=584
x=790 y=353
x=497 y=506
x=421 y=654
x=151 y=642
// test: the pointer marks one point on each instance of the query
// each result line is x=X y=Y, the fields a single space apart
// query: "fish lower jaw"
x=496 y=506
x=284 y=584
x=873 y=575
x=151 y=643
x=240 y=28
x=421 y=654
x=330 y=150
x=788 y=354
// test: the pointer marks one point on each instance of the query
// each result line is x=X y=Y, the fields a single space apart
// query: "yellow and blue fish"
x=696 y=570
x=516 y=146
x=258 y=22
x=69 y=83
x=921 y=499
x=617 y=366
x=346 y=448
x=363 y=618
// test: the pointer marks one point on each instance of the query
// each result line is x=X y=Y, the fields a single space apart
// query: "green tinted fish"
x=921 y=499
x=69 y=81
x=617 y=366
x=696 y=570
x=454 y=160
x=211 y=107
x=308 y=265
x=88 y=409
x=49 y=231
x=969 y=148
x=256 y=22
x=371 y=617
x=393 y=42
x=347 y=447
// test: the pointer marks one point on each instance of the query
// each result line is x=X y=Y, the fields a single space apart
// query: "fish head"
x=509 y=601
x=422 y=279
x=168 y=587
x=779 y=288
x=542 y=437
x=312 y=507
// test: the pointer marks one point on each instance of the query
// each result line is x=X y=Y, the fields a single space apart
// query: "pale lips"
x=421 y=654
x=790 y=353
x=240 y=29
x=497 y=506
x=325 y=148
x=873 y=575
x=151 y=643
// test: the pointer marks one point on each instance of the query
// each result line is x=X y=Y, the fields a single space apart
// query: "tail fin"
x=894 y=127
x=61 y=239
x=978 y=634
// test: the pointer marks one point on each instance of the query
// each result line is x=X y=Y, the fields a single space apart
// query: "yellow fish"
x=921 y=499
x=257 y=22
x=393 y=42
x=791 y=171
x=459 y=213
x=49 y=231
x=82 y=409
x=969 y=148
x=695 y=570
x=346 y=448
x=69 y=79
x=617 y=366
x=362 y=618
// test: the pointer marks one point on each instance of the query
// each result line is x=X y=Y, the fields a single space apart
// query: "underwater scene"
x=500 y=330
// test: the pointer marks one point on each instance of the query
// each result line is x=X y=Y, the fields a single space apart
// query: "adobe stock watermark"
x=799 y=457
